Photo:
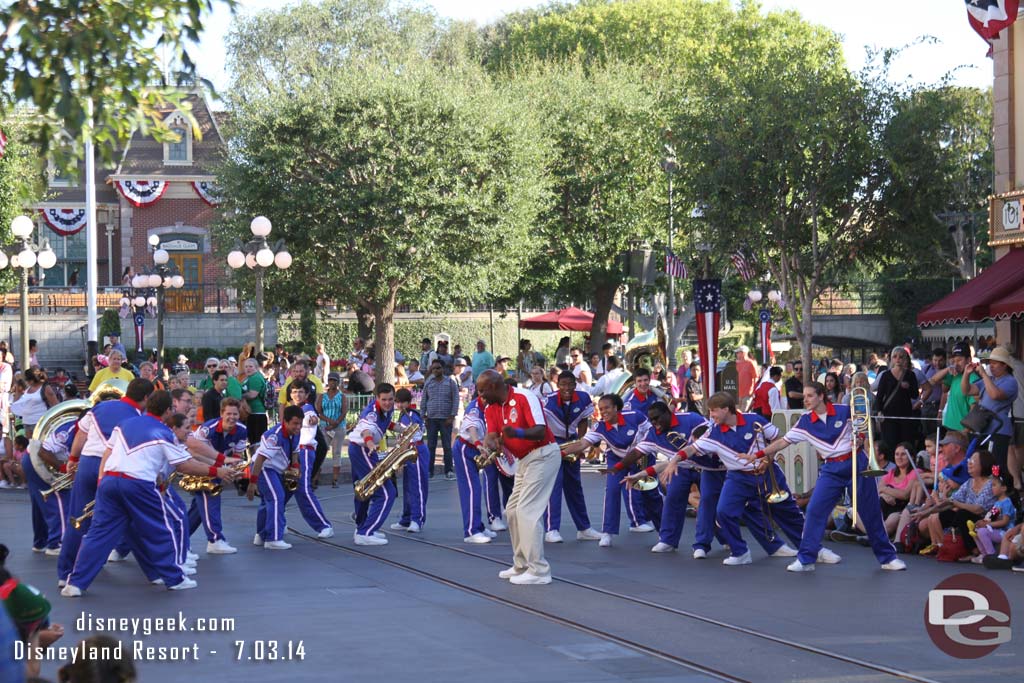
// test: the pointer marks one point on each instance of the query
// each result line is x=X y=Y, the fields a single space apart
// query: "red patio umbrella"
x=571 y=319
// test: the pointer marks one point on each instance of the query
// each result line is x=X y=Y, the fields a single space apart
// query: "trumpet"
x=484 y=458
x=591 y=455
x=61 y=483
x=87 y=512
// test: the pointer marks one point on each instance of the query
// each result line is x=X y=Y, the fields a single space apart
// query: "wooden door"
x=188 y=299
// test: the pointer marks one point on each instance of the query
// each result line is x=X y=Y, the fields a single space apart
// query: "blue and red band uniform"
x=416 y=473
x=638 y=402
x=467 y=476
x=49 y=516
x=564 y=419
x=279 y=449
x=205 y=508
x=371 y=514
x=622 y=437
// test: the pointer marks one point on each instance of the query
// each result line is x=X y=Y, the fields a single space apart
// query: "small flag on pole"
x=707 y=302
x=674 y=267
x=3 y=143
x=742 y=265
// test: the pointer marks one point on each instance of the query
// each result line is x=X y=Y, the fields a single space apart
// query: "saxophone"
x=402 y=452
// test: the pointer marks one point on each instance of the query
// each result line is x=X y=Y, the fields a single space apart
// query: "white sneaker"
x=380 y=534
x=700 y=554
x=220 y=547
x=277 y=545
x=733 y=560
x=61 y=583
x=398 y=526
x=187 y=570
x=499 y=525
x=553 y=536
x=606 y=540
x=70 y=591
x=38 y=550
x=644 y=528
x=786 y=550
x=977 y=559
x=528 y=579
x=257 y=539
x=4 y=484
x=116 y=556
x=589 y=534
x=797 y=566
x=414 y=528
x=828 y=557
x=478 y=537
x=326 y=532
x=896 y=565
x=660 y=547
x=189 y=563
x=360 y=539
x=509 y=573
x=192 y=556
x=157 y=582
x=185 y=584
x=489 y=534
x=53 y=552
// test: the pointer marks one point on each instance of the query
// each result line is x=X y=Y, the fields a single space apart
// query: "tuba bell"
x=402 y=452
x=55 y=417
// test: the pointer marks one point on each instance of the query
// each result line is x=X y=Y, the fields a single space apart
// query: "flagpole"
x=91 y=256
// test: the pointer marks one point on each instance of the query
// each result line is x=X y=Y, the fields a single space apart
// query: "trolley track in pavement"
x=812 y=651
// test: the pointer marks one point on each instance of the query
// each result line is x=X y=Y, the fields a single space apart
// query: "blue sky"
x=880 y=23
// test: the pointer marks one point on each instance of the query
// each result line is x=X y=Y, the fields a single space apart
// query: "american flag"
x=707 y=300
x=742 y=265
x=989 y=17
x=765 y=320
x=673 y=266
x=3 y=143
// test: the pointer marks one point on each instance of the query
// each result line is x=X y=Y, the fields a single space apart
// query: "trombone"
x=860 y=423
x=776 y=494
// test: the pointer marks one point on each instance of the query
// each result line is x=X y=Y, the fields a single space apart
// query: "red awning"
x=571 y=319
x=972 y=302
x=1010 y=305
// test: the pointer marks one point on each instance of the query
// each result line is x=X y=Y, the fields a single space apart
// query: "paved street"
x=446 y=616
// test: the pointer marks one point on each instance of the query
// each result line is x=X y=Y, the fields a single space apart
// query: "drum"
x=506 y=463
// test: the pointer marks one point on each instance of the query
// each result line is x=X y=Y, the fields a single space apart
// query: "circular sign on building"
x=1011 y=215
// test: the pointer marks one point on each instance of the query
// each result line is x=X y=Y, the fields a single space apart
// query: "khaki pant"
x=524 y=511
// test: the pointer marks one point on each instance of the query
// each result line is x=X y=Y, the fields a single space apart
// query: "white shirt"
x=141 y=454
x=607 y=379
x=323 y=366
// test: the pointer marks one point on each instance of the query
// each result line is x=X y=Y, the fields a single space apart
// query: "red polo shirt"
x=520 y=410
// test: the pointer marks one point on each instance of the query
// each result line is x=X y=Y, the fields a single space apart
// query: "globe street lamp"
x=27 y=258
x=146 y=296
x=258 y=255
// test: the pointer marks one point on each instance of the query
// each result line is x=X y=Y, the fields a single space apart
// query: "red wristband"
x=478 y=445
x=213 y=471
x=293 y=466
x=619 y=466
x=220 y=460
x=73 y=458
x=760 y=454
x=368 y=440
x=651 y=471
x=253 y=480
x=682 y=455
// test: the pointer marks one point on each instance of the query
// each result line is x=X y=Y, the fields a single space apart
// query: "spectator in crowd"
x=562 y=351
x=794 y=386
x=358 y=355
x=596 y=365
x=988 y=531
x=114 y=370
x=683 y=371
x=833 y=388
x=482 y=359
x=5 y=355
x=969 y=502
x=442 y=355
x=613 y=371
x=33 y=353
x=332 y=409
x=426 y=349
x=213 y=396
x=996 y=391
x=526 y=359
x=608 y=351
x=463 y=375
x=323 y=363
x=180 y=365
x=538 y=384
x=580 y=370
x=358 y=381
x=415 y=377
x=553 y=372
x=1015 y=457
x=299 y=374
x=457 y=353
x=115 y=343
x=897 y=391
x=28 y=610
x=956 y=404
x=37 y=398
x=502 y=367
x=747 y=376
x=667 y=381
x=1011 y=551
x=931 y=394
x=896 y=487
x=85 y=667
x=695 y=390
x=254 y=393
x=147 y=370
x=439 y=405
x=401 y=376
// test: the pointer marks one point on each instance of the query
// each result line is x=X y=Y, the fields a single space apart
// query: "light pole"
x=26 y=259
x=147 y=296
x=257 y=255
x=670 y=166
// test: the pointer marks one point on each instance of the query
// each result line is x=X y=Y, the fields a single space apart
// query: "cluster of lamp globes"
x=153 y=280
x=22 y=227
x=264 y=256
x=774 y=295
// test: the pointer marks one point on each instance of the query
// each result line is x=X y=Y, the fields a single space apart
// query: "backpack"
x=953 y=546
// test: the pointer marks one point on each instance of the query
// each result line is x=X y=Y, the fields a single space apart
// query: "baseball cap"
x=460 y=361
x=962 y=349
x=212 y=361
x=503 y=359
x=425 y=340
x=744 y=349
x=333 y=375
x=114 y=334
x=954 y=438
x=182 y=358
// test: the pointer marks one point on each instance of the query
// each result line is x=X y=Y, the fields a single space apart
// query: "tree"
x=411 y=184
x=21 y=184
x=61 y=56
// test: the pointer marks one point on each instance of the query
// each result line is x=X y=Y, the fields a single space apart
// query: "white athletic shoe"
x=528 y=579
x=478 y=537
x=191 y=555
x=489 y=534
x=360 y=539
x=414 y=528
x=660 y=547
x=326 y=532
x=499 y=525
x=187 y=570
x=257 y=539
x=644 y=528
x=277 y=545
x=828 y=557
x=116 y=556
x=61 y=583
x=398 y=526
x=220 y=547
x=189 y=563
x=185 y=584
x=606 y=540
x=896 y=565
x=589 y=534
x=553 y=537
x=53 y=552
x=798 y=566
x=380 y=534
x=733 y=560
x=35 y=549
x=786 y=550
x=70 y=591
x=700 y=554
x=157 y=582
x=510 y=572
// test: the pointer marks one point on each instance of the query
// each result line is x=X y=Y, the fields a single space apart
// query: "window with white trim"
x=179 y=152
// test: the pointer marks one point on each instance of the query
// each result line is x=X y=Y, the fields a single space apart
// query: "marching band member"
x=374 y=421
x=129 y=501
x=220 y=441
x=828 y=428
x=90 y=443
x=415 y=474
x=640 y=397
x=467 y=475
x=668 y=433
x=497 y=489
x=567 y=411
x=52 y=511
x=177 y=511
x=621 y=431
x=309 y=436
x=734 y=434
x=767 y=397
x=515 y=421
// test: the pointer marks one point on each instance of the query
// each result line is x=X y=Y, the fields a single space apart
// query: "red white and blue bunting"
x=141 y=193
x=208 y=192
x=65 y=221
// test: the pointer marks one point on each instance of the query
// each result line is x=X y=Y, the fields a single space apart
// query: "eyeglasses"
x=210 y=366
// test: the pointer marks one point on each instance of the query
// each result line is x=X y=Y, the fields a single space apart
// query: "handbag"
x=911 y=538
x=978 y=419
x=953 y=547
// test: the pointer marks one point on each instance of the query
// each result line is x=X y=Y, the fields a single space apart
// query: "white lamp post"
x=257 y=255
x=27 y=258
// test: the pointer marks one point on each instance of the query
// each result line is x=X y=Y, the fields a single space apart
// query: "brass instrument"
x=591 y=455
x=860 y=423
x=290 y=479
x=61 y=483
x=87 y=512
x=402 y=452
x=193 y=483
x=485 y=458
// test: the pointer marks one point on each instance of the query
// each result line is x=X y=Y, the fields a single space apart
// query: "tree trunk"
x=364 y=322
x=384 y=339
x=604 y=297
x=307 y=328
x=805 y=333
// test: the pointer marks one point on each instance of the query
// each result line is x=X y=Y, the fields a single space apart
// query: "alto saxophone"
x=402 y=452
